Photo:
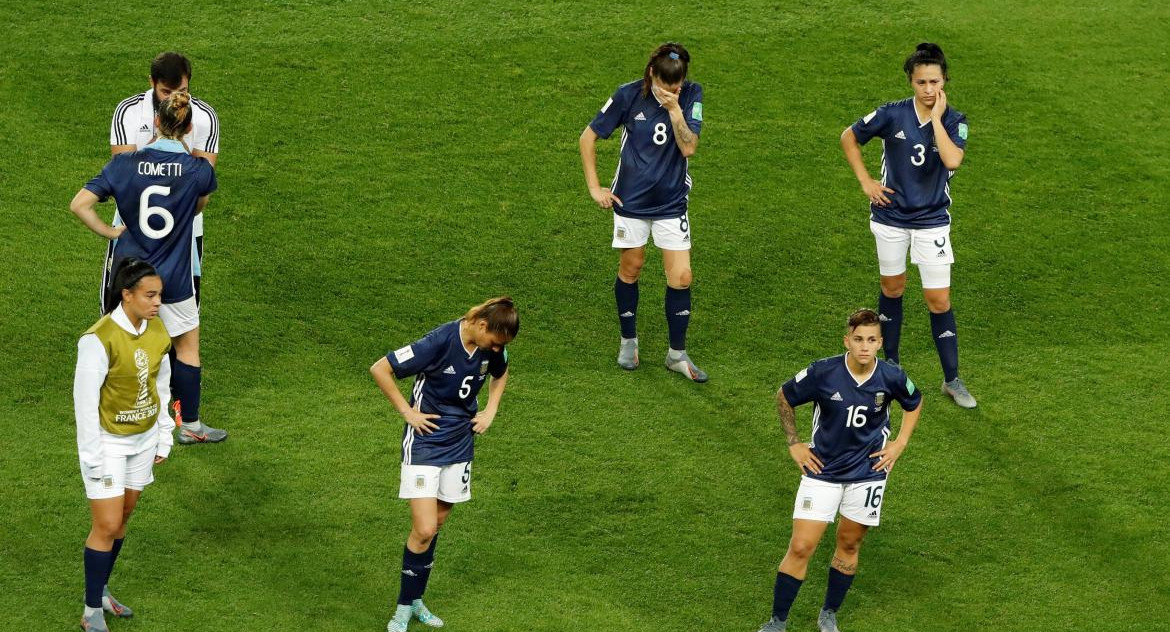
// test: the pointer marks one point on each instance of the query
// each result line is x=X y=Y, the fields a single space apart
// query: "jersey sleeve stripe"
x=213 y=137
x=119 y=116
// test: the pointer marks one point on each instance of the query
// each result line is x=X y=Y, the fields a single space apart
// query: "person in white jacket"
x=120 y=394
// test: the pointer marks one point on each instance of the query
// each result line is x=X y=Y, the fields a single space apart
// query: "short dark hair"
x=127 y=273
x=170 y=68
x=670 y=63
x=862 y=318
x=926 y=54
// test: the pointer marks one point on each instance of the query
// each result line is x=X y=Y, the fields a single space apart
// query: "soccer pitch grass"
x=386 y=165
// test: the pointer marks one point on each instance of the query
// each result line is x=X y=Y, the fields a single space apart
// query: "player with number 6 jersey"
x=661 y=116
x=160 y=189
x=846 y=461
x=450 y=364
x=924 y=141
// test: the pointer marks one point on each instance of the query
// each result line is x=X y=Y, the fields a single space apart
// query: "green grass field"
x=386 y=165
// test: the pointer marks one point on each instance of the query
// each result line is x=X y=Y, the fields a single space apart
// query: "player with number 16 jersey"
x=844 y=464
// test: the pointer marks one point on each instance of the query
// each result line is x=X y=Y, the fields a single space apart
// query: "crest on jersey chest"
x=878 y=401
x=483 y=367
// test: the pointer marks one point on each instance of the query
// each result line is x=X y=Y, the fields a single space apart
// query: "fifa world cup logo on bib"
x=142 y=363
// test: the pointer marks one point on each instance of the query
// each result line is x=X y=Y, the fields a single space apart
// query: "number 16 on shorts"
x=822 y=501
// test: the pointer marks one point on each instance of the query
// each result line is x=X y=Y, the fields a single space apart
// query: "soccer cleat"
x=113 y=606
x=400 y=619
x=205 y=434
x=95 y=622
x=958 y=392
x=682 y=364
x=774 y=625
x=426 y=617
x=628 y=354
x=827 y=621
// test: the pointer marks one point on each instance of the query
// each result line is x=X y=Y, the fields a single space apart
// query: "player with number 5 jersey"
x=159 y=191
x=924 y=141
x=845 y=462
x=450 y=364
x=661 y=116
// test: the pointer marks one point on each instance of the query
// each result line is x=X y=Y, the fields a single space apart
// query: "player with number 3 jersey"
x=846 y=461
x=450 y=364
x=160 y=189
x=924 y=141
x=661 y=116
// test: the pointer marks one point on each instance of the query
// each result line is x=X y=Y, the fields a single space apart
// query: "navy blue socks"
x=946 y=341
x=113 y=558
x=890 y=312
x=185 y=387
x=784 y=594
x=626 y=295
x=416 y=570
x=839 y=584
x=678 y=316
x=97 y=569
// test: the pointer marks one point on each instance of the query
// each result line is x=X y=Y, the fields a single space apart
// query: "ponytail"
x=127 y=273
x=500 y=314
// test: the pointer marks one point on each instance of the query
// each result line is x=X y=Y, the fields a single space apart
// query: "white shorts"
x=448 y=483
x=822 y=501
x=669 y=234
x=181 y=317
x=119 y=473
x=929 y=248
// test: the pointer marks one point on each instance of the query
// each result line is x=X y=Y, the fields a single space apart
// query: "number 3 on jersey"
x=145 y=211
x=920 y=159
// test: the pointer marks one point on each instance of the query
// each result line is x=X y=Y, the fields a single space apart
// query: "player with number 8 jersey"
x=661 y=116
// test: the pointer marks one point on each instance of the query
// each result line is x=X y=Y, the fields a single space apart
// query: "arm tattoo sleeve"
x=787 y=418
x=684 y=133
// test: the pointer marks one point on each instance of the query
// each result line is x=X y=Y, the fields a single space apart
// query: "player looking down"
x=661 y=116
x=451 y=365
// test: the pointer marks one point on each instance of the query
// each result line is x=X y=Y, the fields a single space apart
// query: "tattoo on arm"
x=684 y=133
x=839 y=564
x=787 y=418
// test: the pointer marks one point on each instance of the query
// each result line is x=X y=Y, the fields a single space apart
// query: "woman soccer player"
x=923 y=143
x=661 y=116
x=120 y=395
x=451 y=363
x=160 y=189
x=845 y=463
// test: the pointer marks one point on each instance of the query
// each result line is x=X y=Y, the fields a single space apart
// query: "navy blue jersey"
x=157 y=193
x=910 y=164
x=652 y=180
x=447 y=383
x=850 y=420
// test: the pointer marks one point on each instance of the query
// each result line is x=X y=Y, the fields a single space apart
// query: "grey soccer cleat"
x=426 y=617
x=400 y=619
x=628 y=354
x=95 y=622
x=682 y=364
x=958 y=392
x=113 y=606
x=205 y=434
x=774 y=625
x=827 y=621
